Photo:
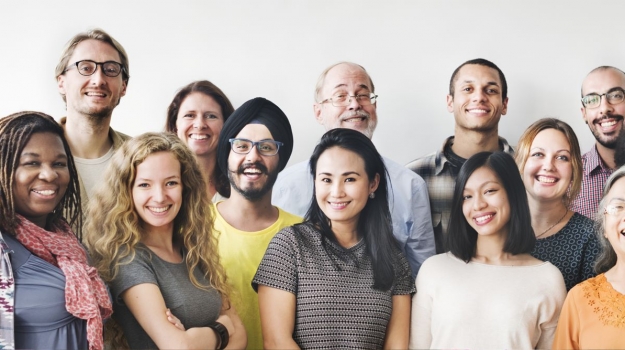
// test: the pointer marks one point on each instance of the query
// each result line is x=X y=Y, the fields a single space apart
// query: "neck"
x=159 y=237
x=88 y=137
x=208 y=164
x=489 y=249
x=616 y=275
x=246 y=215
x=545 y=215
x=607 y=155
x=345 y=233
x=469 y=142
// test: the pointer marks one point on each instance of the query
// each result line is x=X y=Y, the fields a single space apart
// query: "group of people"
x=200 y=236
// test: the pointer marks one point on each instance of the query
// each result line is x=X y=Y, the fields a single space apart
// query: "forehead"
x=159 y=163
x=346 y=76
x=602 y=80
x=94 y=50
x=618 y=189
x=340 y=160
x=481 y=176
x=478 y=73
x=200 y=100
x=45 y=141
x=550 y=137
x=255 y=132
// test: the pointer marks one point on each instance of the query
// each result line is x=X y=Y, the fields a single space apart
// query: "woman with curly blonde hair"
x=158 y=252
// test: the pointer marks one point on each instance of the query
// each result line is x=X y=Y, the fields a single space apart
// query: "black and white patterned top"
x=336 y=305
x=572 y=250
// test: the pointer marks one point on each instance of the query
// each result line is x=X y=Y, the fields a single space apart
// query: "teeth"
x=478 y=111
x=608 y=123
x=338 y=205
x=482 y=219
x=159 y=209
x=95 y=94
x=546 y=179
x=252 y=171
x=198 y=137
x=45 y=192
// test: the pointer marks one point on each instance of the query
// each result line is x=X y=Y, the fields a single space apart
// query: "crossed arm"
x=147 y=305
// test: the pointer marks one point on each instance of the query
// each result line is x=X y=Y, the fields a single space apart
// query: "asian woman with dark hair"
x=488 y=291
x=339 y=279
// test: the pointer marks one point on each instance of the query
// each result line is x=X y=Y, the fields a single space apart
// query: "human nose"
x=47 y=173
x=604 y=106
x=336 y=190
x=158 y=194
x=548 y=164
x=253 y=155
x=98 y=77
x=198 y=122
x=353 y=103
x=478 y=202
x=478 y=95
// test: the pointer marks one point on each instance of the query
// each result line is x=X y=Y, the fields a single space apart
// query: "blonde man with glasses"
x=345 y=98
x=603 y=92
x=92 y=76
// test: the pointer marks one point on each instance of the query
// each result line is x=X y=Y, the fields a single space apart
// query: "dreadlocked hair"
x=15 y=132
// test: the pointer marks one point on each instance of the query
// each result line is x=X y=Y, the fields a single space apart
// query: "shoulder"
x=299 y=169
x=440 y=261
x=423 y=164
x=397 y=172
x=117 y=137
x=288 y=218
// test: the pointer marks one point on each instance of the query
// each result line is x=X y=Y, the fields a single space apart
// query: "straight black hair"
x=462 y=238
x=375 y=223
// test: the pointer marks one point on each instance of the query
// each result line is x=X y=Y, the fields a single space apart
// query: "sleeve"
x=551 y=307
x=420 y=244
x=138 y=271
x=278 y=268
x=567 y=333
x=404 y=282
x=590 y=253
x=421 y=314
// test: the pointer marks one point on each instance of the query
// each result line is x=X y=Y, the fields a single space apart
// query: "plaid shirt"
x=436 y=172
x=596 y=174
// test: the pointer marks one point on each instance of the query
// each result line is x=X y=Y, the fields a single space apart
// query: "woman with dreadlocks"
x=49 y=296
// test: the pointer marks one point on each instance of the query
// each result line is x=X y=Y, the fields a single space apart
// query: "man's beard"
x=371 y=124
x=609 y=143
x=254 y=194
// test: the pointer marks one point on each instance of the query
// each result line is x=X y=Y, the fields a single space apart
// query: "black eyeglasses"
x=264 y=147
x=88 y=67
x=613 y=97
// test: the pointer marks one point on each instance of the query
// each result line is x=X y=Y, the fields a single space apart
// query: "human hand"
x=174 y=320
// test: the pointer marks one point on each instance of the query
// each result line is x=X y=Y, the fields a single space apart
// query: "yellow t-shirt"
x=240 y=253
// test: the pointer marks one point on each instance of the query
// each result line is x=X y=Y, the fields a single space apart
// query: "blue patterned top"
x=572 y=250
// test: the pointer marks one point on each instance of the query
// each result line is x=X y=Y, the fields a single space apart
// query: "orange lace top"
x=593 y=317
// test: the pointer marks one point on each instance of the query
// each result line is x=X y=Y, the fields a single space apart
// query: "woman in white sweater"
x=488 y=291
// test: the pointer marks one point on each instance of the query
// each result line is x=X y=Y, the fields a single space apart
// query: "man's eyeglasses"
x=613 y=97
x=265 y=147
x=88 y=67
x=343 y=100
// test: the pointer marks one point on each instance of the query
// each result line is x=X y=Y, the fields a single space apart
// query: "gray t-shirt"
x=336 y=305
x=193 y=306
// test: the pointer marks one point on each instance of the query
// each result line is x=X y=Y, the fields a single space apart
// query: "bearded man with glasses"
x=603 y=92
x=92 y=76
x=345 y=98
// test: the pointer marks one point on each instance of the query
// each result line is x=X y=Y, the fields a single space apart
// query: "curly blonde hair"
x=113 y=227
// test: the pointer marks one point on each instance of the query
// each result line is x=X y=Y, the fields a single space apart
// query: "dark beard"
x=610 y=144
x=254 y=194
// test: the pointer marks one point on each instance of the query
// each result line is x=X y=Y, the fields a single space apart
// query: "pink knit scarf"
x=85 y=294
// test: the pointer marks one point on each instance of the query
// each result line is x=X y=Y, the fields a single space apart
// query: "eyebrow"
x=362 y=86
x=473 y=81
x=37 y=155
x=616 y=88
x=542 y=149
x=347 y=173
x=167 y=178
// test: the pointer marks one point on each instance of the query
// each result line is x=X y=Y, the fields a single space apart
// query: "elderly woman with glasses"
x=593 y=315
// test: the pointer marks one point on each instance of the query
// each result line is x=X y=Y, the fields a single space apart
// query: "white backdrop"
x=276 y=49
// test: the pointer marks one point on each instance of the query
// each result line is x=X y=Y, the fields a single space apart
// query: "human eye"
x=267 y=147
x=616 y=95
x=562 y=157
x=467 y=89
x=490 y=191
x=591 y=99
x=325 y=179
x=211 y=116
x=111 y=68
x=492 y=91
x=241 y=145
x=171 y=183
x=86 y=67
x=466 y=197
x=340 y=97
x=60 y=164
x=537 y=154
x=363 y=97
x=143 y=185
x=350 y=179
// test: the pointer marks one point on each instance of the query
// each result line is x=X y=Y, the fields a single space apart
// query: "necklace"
x=552 y=226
